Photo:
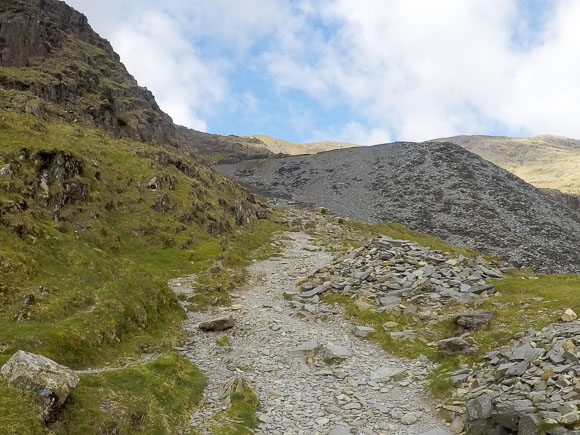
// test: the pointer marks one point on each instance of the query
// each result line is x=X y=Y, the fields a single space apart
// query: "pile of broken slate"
x=531 y=385
x=390 y=270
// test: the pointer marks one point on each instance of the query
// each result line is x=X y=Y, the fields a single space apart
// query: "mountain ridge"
x=433 y=187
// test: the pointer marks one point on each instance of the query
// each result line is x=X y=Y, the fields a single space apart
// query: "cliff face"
x=52 y=64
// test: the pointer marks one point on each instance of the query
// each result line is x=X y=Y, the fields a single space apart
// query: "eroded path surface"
x=299 y=395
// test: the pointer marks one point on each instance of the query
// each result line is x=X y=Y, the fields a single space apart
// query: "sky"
x=360 y=71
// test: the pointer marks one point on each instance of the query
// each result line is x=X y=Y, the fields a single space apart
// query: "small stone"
x=339 y=430
x=409 y=419
x=571 y=417
x=331 y=352
x=6 y=171
x=474 y=319
x=569 y=315
x=219 y=324
x=390 y=325
x=306 y=347
x=363 y=331
x=385 y=374
x=457 y=425
x=265 y=419
x=456 y=346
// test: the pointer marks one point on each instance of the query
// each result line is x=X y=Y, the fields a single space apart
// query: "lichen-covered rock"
x=52 y=383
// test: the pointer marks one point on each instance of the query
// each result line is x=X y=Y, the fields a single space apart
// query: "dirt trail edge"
x=300 y=394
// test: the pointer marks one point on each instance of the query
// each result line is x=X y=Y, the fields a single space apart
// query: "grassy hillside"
x=91 y=229
x=545 y=161
x=285 y=147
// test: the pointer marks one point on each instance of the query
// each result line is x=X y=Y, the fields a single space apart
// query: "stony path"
x=300 y=396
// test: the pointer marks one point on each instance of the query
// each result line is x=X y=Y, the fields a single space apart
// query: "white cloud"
x=404 y=69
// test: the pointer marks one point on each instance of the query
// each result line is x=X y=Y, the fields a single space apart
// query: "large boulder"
x=49 y=381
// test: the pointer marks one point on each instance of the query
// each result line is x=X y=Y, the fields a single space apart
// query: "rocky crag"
x=55 y=67
x=438 y=188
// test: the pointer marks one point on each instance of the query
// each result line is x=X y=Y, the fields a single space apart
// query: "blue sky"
x=364 y=71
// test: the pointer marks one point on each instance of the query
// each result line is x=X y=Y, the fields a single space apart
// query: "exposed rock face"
x=73 y=74
x=438 y=188
x=49 y=381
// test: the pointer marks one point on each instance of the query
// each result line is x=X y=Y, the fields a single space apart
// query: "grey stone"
x=6 y=171
x=331 y=352
x=474 y=319
x=315 y=291
x=50 y=382
x=363 y=331
x=389 y=301
x=409 y=419
x=529 y=424
x=437 y=431
x=219 y=324
x=456 y=346
x=339 y=430
x=385 y=374
x=505 y=414
x=479 y=408
x=306 y=347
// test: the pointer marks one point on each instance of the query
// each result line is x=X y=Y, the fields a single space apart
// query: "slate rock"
x=315 y=291
x=219 y=324
x=363 y=331
x=504 y=413
x=385 y=374
x=474 y=319
x=456 y=346
x=331 y=352
x=479 y=408
x=390 y=301
x=529 y=424
x=339 y=430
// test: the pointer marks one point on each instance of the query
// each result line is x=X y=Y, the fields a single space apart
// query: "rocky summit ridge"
x=438 y=188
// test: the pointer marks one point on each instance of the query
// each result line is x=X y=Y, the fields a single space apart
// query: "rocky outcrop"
x=78 y=76
x=388 y=270
x=50 y=382
x=73 y=74
x=437 y=188
x=528 y=384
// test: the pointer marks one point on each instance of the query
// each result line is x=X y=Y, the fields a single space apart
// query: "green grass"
x=240 y=417
x=19 y=413
x=223 y=341
x=515 y=311
x=151 y=398
x=107 y=259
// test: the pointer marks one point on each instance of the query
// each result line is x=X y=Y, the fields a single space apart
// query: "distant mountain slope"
x=280 y=146
x=546 y=161
x=438 y=188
